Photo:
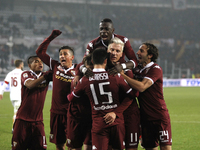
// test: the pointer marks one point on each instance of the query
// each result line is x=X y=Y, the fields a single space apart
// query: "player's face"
x=105 y=31
x=36 y=65
x=115 y=51
x=143 y=56
x=66 y=58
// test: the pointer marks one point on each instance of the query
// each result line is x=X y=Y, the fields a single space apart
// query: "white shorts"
x=16 y=104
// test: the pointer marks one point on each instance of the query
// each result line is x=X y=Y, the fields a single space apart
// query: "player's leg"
x=87 y=147
x=165 y=147
x=74 y=135
x=149 y=135
x=60 y=146
x=132 y=128
x=21 y=135
x=74 y=148
x=88 y=137
x=155 y=148
x=117 y=137
x=165 y=136
x=58 y=133
x=100 y=139
x=16 y=104
x=38 y=141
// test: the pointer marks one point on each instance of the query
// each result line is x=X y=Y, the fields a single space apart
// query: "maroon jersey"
x=134 y=106
x=32 y=99
x=79 y=109
x=98 y=43
x=61 y=80
x=61 y=87
x=103 y=92
x=152 y=103
x=128 y=51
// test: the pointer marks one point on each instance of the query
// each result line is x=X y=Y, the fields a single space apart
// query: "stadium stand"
x=173 y=31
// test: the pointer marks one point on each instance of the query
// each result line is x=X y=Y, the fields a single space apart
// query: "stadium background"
x=173 y=26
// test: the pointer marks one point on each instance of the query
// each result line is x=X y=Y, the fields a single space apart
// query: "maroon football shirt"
x=98 y=43
x=103 y=92
x=128 y=51
x=32 y=99
x=152 y=103
x=62 y=78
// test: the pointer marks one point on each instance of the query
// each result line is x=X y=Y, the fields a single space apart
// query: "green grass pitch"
x=183 y=104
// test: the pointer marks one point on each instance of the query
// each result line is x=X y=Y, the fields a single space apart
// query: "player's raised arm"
x=41 y=50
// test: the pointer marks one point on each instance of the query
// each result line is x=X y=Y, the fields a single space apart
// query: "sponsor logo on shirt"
x=99 y=76
x=103 y=107
x=63 y=77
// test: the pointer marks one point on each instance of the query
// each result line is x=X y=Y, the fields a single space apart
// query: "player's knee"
x=60 y=147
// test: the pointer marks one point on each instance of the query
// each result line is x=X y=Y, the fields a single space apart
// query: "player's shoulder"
x=121 y=37
x=94 y=42
x=156 y=66
x=116 y=77
x=26 y=71
x=55 y=62
x=154 y=69
x=84 y=80
x=25 y=74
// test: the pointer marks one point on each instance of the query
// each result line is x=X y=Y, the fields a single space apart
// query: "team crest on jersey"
x=25 y=75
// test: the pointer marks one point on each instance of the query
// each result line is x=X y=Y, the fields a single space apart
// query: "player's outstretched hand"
x=48 y=74
x=116 y=69
x=54 y=34
x=75 y=80
x=110 y=117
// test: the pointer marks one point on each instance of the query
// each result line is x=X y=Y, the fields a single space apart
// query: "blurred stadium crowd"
x=175 y=32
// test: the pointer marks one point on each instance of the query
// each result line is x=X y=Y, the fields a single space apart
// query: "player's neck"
x=68 y=65
x=99 y=66
x=19 y=68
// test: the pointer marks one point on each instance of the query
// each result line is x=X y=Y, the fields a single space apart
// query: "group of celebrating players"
x=103 y=103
